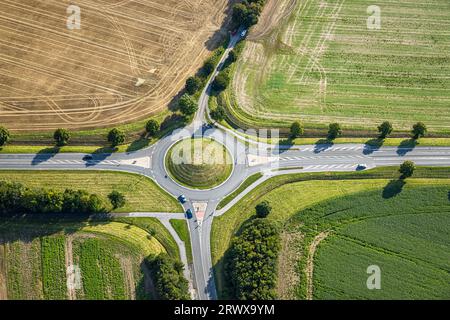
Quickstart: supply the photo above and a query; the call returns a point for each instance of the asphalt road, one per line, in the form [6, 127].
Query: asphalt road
[248, 159]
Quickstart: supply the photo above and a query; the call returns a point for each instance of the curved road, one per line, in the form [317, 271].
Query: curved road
[250, 157]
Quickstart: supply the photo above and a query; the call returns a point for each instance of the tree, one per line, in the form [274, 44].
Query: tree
[419, 130]
[218, 114]
[116, 137]
[208, 67]
[232, 57]
[188, 106]
[192, 85]
[297, 129]
[385, 129]
[221, 82]
[4, 136]
[263, 209]
[117, 199]
[407, 169]
[152, 127]
[167, 275]
[334, 131]
[251, 261]
[61, 136]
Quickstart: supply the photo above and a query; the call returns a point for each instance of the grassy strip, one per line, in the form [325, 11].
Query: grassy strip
[249, 181]
[53, 267]
[181, 228]
[142, 193]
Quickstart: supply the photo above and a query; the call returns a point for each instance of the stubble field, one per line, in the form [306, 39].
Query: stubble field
[128, 60]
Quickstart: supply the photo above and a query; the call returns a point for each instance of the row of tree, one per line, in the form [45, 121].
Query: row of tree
[247, 12]
[168, 278]
[62, 136]
[15, 198]
[335, 130]
[251, 261]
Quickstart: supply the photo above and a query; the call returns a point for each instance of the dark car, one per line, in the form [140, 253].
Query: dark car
[189, 213]
[88, 157]
[182, 199]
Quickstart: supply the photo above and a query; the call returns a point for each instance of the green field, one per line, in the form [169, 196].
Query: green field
[322, 64]
[36, 255]
[142, 194]
[199, 163]
[299, 201]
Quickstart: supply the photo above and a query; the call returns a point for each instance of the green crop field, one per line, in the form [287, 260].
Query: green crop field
[349, 205]
[38, 254]
[322, 64]
[141, 193]
[406, 236]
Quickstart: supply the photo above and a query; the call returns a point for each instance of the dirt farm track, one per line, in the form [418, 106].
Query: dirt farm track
[127, 61]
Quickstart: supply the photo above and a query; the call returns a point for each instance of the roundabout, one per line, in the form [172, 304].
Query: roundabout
[198, 163]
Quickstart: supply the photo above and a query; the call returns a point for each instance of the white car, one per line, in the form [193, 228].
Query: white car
[243, 33]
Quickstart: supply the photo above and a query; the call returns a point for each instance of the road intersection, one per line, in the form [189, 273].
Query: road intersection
[249, 156]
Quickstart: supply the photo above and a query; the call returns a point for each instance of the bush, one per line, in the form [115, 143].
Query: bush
[61, 136]
[334, 131]
[116, 137]
[419, 130]
[385, 129]
[263, 209]
[168, 278]
[407, 169]
[188, 106]
[251, 262]
[193, 84]
[221, 82]
[297, 129]
[152, 127]
[218, 114]
[117, 199]
[4, 136]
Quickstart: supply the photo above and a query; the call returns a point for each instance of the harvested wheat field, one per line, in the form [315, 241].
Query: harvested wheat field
[127, 61]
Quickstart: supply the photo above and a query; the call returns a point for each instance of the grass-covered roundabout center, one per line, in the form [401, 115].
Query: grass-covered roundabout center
[199, 163]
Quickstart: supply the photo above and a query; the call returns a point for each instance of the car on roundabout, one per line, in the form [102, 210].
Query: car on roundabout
[182, 199]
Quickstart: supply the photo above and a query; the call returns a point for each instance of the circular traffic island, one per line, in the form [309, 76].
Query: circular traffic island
[199, 163]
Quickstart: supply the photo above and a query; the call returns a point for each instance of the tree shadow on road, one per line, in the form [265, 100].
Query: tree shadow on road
[322, 145]
[45, 155]
[406, 146]
[393, 188]
[372, 145]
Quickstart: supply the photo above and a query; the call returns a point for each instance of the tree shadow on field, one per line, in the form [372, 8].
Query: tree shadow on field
[372, 145]
[45, 155]
[28, 227]
[448, 196]
[322, 145]
[215, 40]
[406, 146]
[393, 188]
